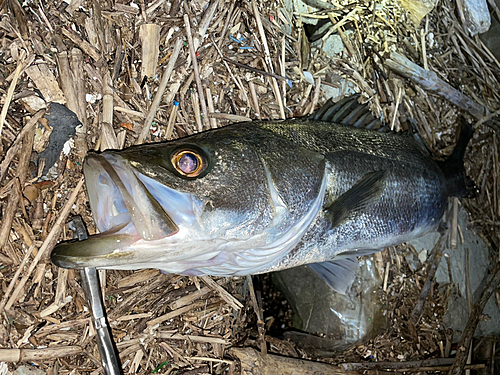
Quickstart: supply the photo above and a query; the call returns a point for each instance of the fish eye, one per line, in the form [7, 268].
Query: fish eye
[189, 163]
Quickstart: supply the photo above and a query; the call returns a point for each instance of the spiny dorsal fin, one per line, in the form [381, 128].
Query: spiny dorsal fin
[348, 112]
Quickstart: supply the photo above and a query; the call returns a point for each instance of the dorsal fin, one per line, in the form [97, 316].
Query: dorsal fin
[348, 112]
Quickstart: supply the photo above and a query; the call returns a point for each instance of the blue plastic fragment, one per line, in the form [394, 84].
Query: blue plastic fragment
[247, 47]
[289, 82]
[235, 40]
[176, 103]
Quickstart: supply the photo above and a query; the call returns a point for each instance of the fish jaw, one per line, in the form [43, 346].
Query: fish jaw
[127, 213]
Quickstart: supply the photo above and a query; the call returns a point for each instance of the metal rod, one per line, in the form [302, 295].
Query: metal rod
[92, 288]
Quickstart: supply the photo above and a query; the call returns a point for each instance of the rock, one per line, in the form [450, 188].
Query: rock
[477, 16]
[418, 9]
[28, 370]
[491, 38]
[301, 7]
[457, 314]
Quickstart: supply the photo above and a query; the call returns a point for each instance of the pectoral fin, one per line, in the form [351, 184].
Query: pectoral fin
[338, 274]
[354, 200]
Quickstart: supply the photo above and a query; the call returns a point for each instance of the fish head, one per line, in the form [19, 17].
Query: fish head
[187, 205]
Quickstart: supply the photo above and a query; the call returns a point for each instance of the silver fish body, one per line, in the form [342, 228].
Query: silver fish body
[257, 197]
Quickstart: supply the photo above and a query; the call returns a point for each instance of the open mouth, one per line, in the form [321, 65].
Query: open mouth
[128, 207]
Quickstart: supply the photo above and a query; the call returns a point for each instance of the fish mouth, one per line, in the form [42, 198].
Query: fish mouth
[127, 210]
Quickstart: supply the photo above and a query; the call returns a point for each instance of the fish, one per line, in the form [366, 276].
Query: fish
[264, 196]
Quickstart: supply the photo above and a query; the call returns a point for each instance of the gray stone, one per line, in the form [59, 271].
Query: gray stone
[477, 16]
[457, 313]
[491, 38]
[333, 46]
[335, 92]
[28, 370]
[300, 7]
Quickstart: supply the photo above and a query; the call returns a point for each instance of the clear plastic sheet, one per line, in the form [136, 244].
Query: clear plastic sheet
[344, 319]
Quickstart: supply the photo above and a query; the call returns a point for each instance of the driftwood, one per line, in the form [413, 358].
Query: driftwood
[256, 363]
[431, 82]
[435, 364]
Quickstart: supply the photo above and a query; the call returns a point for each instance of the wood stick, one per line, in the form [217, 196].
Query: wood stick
[171, 121]
[196, 109]
[159, 93]
[10, 93]
[108, 135]
[255, 101]
[149, 33]
[129, 112]
[208, 15]
[85, 46]
[33, 355]
[176, 336]
[274, 83]
[61, 326]
[229, 116]
[431, 82]
[46, 82]
[189, 298]
[11, 152]
[255, 70]
[16, 276]
[14, 198]
[67, 81]
[235, 79]
[224, 294]
[199, 85]
[77, 69]
[173, 314]
[48, 244]
[211, 108]
[474, 317]
[253, 362]
[317, 91]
